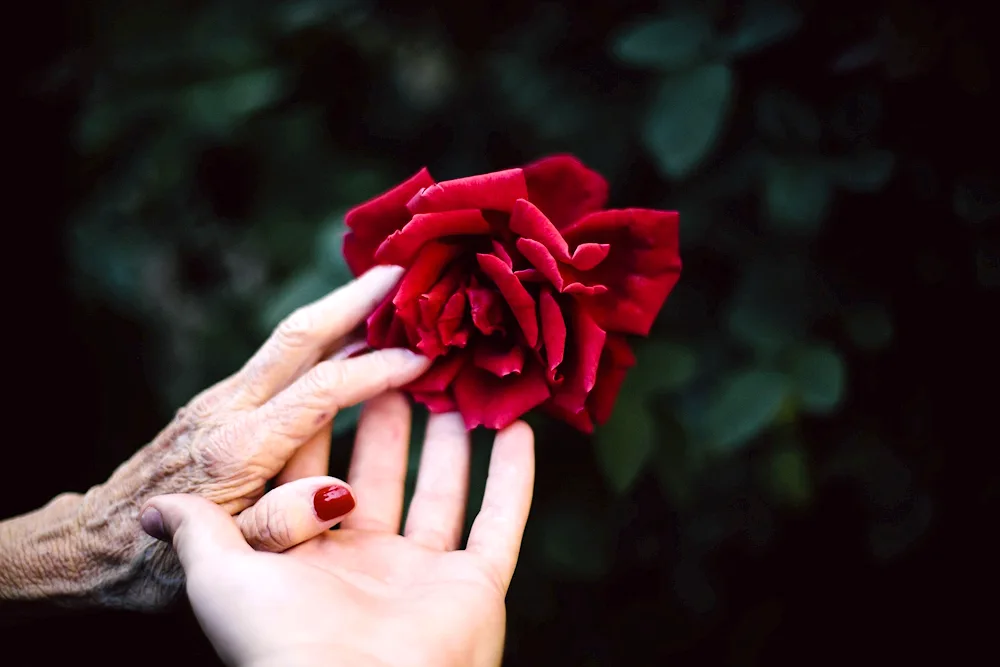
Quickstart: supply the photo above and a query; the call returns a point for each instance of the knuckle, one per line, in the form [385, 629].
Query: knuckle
[296, 330]
[328, 376]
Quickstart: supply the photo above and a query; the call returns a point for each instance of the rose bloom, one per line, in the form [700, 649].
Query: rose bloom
[518, 285]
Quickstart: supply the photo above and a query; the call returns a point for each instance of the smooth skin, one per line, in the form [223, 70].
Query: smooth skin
[366, 595]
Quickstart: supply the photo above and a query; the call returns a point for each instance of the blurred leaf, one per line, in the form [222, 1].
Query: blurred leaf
[863, 54]
[625, 443]
[797, 196]
[661, 366]
[744, 406]
[668, 43]
[866, 172]
[297, 15]
[218, 105]
[305, 288]
[785, 119]
[818, 373]
[763, 23]
[869, 326]
[977, 197]
[346, 419]
[857, 115]
[790, 478]
[573, 541]
[771, 305]
[686, 118]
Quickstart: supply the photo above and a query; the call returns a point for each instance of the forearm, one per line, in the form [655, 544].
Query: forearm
[85, 550]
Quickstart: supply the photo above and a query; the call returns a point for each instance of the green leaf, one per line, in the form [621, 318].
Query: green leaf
[819, 376]
[662, 366]
[763, 23]
[346, 419]
[686, 118]
[624, 444]
[573, 542]
[797, 196]
[785, 119]
[774, 301]
[668, 43]
[866, 172]
[218, 105]
[743, 407]
[790, 477]
[869, 326]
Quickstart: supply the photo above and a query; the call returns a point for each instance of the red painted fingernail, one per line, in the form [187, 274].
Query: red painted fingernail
[333, 501]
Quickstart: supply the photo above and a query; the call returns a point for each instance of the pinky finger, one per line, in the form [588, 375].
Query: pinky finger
[499, 528]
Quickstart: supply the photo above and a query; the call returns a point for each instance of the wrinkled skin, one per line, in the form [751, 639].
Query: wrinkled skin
[271, 419]
[519, 286]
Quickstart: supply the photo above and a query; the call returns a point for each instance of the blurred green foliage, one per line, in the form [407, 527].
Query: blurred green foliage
[224, 139]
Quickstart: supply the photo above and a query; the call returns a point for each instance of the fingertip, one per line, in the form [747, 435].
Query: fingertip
[384, 273]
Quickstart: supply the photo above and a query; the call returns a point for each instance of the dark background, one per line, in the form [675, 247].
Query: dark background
[804, 466]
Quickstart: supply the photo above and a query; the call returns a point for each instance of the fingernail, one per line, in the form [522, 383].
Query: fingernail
[409, 357]
[333, 501]
[387, 271]
[351, 350]
[152, 522]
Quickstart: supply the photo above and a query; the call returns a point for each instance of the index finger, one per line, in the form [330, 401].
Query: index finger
[499, 528]
[306, 335]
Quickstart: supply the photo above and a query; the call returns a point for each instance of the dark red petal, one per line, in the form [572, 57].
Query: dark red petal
[578, 420]
[371, 222]
[486, 305]
[564, 189]
[640, 270]
[553, 332]
[540, 258]
[615, 363]
[449, 324]
[440, 375]
[487, 400]
[436, 402]
[530, 223]
[402, 246]
[520, 302]
[502, 253]
[581, 374]
[384, 328]
[495, 191]
[428, 266]
[498, 356]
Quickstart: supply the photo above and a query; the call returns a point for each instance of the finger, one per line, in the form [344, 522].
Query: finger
[499, 528]
[198, 529]
[306, 335]
[378, 465]
[292, 417]
[295, 512]
[311, 459]
[437, 511]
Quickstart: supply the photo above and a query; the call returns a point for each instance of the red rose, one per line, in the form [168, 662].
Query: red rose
[518, 285]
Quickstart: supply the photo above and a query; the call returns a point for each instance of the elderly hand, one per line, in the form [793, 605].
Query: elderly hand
[271, 419]
[365, 595]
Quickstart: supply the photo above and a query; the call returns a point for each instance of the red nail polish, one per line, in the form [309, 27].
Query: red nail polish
[333, 501]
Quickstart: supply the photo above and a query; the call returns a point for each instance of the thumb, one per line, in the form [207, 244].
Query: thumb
[197, 528]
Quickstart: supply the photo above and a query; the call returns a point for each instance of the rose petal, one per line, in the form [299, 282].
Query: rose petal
[520, 302]
[436, 403]
[371, 222]
[616, 360]
[578, 420]
[498, 356]
[428, 266]
[530, 223]
[640, 270]
[553, 332]
[502, 253]
[484, 399]
[487, 308]
[401, 246]
[539, 257]
[564, 189]
[449, 324]
[496, 191]
[440, 375]
[384, 328]
[582, 370]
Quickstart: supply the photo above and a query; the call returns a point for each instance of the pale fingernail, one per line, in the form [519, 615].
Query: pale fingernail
[152, 523]
[407, 357]
[351, 350]
[387, 272]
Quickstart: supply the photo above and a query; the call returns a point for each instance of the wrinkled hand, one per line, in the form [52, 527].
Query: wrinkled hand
[365, 595]
[272, 418]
